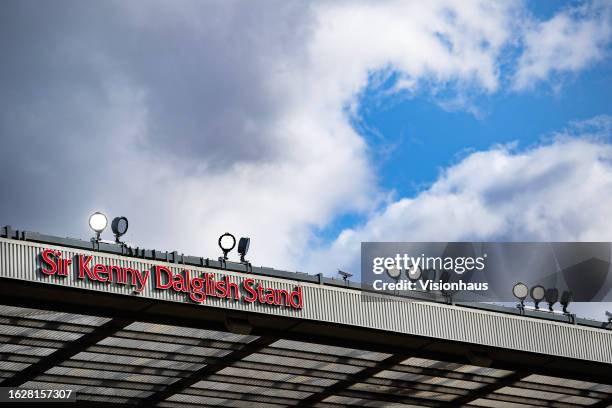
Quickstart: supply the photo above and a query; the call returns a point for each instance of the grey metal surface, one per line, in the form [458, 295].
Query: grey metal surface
[19, 260]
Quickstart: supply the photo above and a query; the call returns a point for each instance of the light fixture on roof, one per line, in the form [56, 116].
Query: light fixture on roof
[243, 248]
[520, 291]
[98, 223]
[394, 272]
[566, 298]
[552, 296]
[537, 294]
[119, 227]
[414, 272]
[227, 242]
[609, 316]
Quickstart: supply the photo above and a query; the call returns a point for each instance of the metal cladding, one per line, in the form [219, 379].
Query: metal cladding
[24, 260]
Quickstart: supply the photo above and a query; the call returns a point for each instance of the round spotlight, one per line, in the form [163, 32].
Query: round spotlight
[520, 291]
[393, 272]
[537, 294]
[119, 227]
[227, 242]
[551, 296]
[98, 222]
[414, 272]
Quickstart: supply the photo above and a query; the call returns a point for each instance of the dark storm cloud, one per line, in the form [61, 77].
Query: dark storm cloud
[73, 73]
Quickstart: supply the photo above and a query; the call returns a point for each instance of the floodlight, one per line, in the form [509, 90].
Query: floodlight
[414, 272]
[394, 272]
[98, 222]
[537, 294]
[119, 227]
[609, 316]
[227, 242]
[243, 248]
[566, 298]
[552, 296]
[520, 291]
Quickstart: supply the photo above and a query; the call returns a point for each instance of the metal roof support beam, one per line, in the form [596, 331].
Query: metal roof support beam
[208, 370]
[65, 353]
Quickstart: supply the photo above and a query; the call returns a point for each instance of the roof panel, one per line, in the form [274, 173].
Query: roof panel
[79, 389]
[250, 389]
[566, 382]
[99, 374]
[549, 396]
[107, 399]
[138, 361]
[276, 376]
[302, 363]
[12, 366]
[428, 379]
[223, 402]
[165, 347]
[358, 402]
[408, 392]
[339, 351]
[41, 314]
[483, 402]
[11, 330]
[98, 382]
[461, 368]
[190, 332]
[161, 355]
[26, 350]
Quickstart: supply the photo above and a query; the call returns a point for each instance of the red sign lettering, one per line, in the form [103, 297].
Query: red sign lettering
[196, 286]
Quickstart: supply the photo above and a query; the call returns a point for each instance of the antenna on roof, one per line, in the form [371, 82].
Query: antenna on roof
[345, 275]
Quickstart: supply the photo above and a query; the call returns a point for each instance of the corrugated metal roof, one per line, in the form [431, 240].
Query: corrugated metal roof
[110, 370]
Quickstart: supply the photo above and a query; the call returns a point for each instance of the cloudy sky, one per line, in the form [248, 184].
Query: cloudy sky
[308, 126]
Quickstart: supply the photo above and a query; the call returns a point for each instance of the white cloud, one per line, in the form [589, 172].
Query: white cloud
[570, 41]
[322, 164]
[557, 191]
[205, 117]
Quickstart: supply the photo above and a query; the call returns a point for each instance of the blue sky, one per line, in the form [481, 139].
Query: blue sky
[418, 137]
[412, 138]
